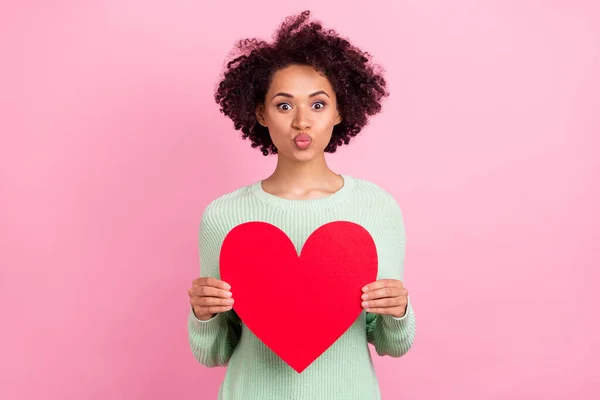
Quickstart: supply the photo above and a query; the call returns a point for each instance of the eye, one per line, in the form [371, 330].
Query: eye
[319, 105]
[284, 106]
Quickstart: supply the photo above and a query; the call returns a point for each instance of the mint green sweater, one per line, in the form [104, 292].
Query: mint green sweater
[345, 371]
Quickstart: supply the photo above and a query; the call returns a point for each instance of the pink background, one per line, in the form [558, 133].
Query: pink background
[112, 146]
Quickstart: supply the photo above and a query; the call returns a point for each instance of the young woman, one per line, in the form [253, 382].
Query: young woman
[304, 95]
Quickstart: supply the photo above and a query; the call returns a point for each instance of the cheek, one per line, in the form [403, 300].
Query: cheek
[275, 119]
[277, 126]
[329, 117]
[278, 131]
[325, 125]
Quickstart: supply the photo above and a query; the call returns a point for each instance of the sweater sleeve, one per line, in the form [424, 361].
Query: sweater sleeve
[389, 335]
[213, 341]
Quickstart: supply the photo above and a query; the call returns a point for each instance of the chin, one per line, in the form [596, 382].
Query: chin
[303, 155]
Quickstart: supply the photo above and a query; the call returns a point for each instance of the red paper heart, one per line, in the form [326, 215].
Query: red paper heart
[298, 305]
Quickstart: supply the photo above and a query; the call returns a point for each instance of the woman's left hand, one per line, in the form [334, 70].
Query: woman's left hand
[385, 296]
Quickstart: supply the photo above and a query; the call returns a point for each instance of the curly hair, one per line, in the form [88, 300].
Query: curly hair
[358, 83]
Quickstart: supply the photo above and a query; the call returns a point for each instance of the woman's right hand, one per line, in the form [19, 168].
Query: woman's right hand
[210, 296]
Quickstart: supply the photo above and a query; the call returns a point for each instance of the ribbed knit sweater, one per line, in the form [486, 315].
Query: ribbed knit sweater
[345, 370]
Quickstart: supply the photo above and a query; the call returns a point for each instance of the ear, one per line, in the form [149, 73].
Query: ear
[260, 114]
[338, 118]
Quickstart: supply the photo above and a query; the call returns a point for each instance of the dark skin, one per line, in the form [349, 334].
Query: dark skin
[299, 100]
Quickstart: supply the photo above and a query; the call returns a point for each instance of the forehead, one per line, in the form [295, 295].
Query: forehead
[299, 80]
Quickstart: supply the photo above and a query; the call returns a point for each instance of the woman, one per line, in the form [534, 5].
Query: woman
[304, 95]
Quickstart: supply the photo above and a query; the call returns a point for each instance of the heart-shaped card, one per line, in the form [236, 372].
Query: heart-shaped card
[298, 306]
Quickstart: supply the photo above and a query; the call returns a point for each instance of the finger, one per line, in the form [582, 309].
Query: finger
[199, 281]
[384, 311]
[383, 303]
[389, 291]
[218, 309]
[382, 283]
[211, 310]
[209, 291]
[213, 282]
[211, 301]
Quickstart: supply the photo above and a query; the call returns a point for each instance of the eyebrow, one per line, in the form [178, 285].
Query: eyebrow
[311, 95]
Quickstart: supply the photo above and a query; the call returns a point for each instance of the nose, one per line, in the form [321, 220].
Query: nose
[301, 120]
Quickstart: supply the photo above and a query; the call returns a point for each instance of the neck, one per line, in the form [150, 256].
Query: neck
[292, 175]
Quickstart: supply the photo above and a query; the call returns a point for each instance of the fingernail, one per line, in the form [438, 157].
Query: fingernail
[365, 304]
[365, 296]
[228, 294]
[365, 288]
[227, 286]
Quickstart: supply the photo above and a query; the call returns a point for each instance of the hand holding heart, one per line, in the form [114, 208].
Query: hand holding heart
[209, 296]
[385, 296]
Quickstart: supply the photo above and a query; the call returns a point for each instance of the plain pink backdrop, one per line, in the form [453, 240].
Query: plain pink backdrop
[112, 146]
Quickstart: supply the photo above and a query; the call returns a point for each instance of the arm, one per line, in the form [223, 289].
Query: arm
[212, 341]
[389, 335]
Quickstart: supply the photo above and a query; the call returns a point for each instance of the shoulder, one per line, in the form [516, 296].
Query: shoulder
[375, 195]
[226, 203]
[381, 209]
